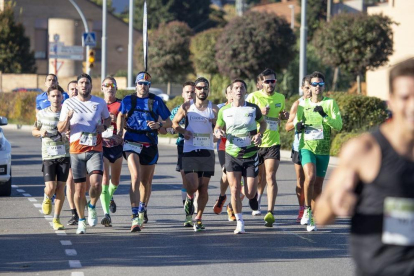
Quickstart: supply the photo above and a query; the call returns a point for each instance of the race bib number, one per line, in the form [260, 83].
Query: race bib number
[398, 225]
[314, 133]
[108, 133]
[201, 140]
[135, 147]
[242, 142]
[88, 139]
[54, 149]
[272, 123]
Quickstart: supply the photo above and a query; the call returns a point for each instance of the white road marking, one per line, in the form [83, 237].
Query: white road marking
[21, 191]
[15, 186]
[75, 264]
[27, 195]
[32, 199]
[65, 242]
[60, 232]
[51, 224]
[71, 252]
[37, 205]
[48, 217]
[77, 274]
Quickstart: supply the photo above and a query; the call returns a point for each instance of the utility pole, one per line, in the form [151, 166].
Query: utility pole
[292, 16]
[130, 43]
[303, 38]
[103, 50]
[239, 7]
[85, 25]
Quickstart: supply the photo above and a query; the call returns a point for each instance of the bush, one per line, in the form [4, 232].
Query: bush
[339, 140]
[21, 107]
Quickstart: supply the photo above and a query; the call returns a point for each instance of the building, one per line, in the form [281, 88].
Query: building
[401, 11]
[288, 9]
[47, 20]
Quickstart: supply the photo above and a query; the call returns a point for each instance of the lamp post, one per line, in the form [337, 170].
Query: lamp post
[292, 16]
[302, 57]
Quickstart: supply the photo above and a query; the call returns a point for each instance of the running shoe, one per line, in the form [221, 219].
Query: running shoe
[198, 226]
[218, 206]
[81, 227]
[57, 225]
[253, 203]
[188, 221]
[92, 217]
[305, 217]
[311, 225]
[269, 219]
[112, 206]
[145, 216]
[300, 215]
[230, 213]
[47, 206]
[239, 228]
[189, 207]
[106, 221]
[141, 219]
[135, 225]
[258, 212]
[73, 220]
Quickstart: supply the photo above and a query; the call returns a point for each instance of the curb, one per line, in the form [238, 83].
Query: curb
[284, 154]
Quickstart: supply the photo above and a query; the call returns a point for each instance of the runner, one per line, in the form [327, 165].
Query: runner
[300, 177]
[198, 152]
[72, 90]
[272, 105]
[139, 114]
[374, 184]
[187, 94]
[112, 152]
[239, 119]
[42, 99]
[55, 154]
[314, 120]
[83, 114]
[224, 184]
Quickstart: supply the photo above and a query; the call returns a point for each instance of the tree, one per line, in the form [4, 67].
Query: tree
[203, 51]
[15, 54]
[196, 13]
[108, 4]
[355, 42]
[168, 53]
[316, 11]
[253, 42]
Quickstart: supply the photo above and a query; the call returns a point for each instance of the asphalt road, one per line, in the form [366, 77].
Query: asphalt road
[30, 246]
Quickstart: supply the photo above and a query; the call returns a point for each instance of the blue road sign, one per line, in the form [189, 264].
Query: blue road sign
[89, 39]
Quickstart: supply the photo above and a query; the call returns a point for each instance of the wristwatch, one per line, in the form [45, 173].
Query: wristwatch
[160, 124]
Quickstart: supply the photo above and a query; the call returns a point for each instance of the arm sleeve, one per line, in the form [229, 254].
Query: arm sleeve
[334, 119]
[220, 122]
[173, 112]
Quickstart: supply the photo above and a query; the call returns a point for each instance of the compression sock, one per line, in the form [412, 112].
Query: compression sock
[141, 208]
[105, 198]
[183, 194]
[112, 189]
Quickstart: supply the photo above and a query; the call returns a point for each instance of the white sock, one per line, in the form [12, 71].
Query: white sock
[183, 194]
[239, 217]
[46, 197]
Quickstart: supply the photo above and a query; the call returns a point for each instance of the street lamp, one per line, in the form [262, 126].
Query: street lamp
[292, 16]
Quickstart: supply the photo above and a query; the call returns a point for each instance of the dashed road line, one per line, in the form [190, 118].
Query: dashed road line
[65, 242]
[77, 274]
[60, 232]
[15, 186]
[75, 264]
[71, 252]
[20, 190]
[37, 205]
[32, 199]
[27, 195]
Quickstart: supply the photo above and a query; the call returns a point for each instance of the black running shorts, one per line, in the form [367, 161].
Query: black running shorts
[112, 153]
[179, 166]
[56, 169]
[272, 152]
[296, 158]
[199, 161]
[249, 167]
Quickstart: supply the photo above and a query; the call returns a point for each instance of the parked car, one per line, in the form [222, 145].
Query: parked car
[165, 97]
[21, 89]
[5, 162]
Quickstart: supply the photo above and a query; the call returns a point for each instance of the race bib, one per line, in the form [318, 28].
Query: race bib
[54, 149]
[88, 139]
[135, 147]
[242, 142]
[108, 133]
[314, 133]
[398, 225]
[201, 140]
[272, 123]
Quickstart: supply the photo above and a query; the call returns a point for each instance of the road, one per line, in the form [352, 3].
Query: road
[30, 246]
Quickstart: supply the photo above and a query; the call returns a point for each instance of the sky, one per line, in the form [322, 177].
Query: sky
[120, 5]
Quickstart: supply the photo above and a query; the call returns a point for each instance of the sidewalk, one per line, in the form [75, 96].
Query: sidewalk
[284, 154]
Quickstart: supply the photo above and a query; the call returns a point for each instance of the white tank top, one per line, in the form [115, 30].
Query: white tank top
[200, 125]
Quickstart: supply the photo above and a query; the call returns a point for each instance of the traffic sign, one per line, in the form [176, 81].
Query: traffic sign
[56, 37]
[60, 51]
[89, 39]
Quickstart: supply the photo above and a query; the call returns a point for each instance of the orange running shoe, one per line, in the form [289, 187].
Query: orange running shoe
[230, 213]
[218, 206]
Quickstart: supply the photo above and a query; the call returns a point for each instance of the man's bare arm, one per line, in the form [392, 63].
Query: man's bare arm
[292, 114]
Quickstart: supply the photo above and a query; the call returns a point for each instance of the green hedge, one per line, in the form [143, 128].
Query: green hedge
[339, 140]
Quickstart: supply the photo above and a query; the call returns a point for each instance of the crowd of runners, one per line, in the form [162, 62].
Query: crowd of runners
[85, 139]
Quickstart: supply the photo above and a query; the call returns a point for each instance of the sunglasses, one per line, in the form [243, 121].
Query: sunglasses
[269, 81]
[314, 84]
[144, 83]
[202, 87]
[109, 85]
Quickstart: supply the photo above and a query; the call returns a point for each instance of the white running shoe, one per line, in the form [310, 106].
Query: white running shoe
[311, 226]
[92, 217]
[305, 217]
[239, 228]
[257, 212]
[81, 227]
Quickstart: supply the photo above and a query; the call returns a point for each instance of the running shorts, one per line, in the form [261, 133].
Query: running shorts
[86, 163]
[321, 161]
[56, 169]
[248, 166]
[199, 161]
